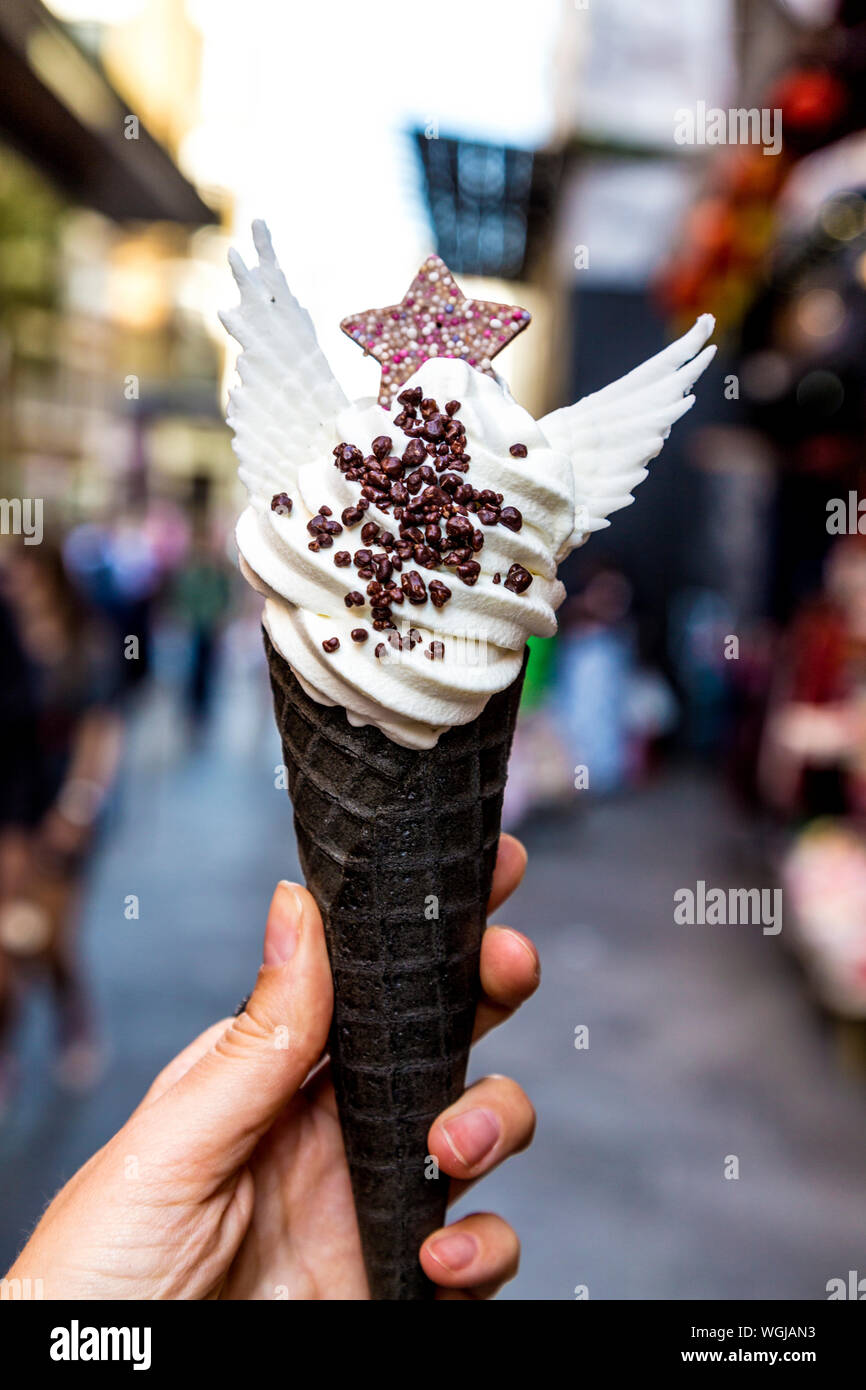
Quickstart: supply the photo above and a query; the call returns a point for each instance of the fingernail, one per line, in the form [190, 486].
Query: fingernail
[281, 933]
[527, 947]
[472, 1135]
[454, 1252]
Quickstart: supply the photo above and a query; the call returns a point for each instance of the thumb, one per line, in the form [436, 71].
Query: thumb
[227, 1100]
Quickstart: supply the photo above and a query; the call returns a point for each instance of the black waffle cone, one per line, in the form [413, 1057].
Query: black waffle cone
[398, 848]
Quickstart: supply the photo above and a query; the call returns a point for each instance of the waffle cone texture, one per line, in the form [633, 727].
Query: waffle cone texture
[398, 848]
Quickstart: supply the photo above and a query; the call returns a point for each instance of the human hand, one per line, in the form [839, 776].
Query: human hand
[230, 1179]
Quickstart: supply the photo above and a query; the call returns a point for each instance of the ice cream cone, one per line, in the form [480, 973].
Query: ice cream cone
[453, 511]
[398, 847]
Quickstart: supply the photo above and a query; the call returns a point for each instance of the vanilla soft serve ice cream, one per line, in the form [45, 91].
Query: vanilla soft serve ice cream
[461, 579]
[407, 546]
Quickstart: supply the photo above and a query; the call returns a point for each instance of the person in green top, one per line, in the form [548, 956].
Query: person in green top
[200, 599]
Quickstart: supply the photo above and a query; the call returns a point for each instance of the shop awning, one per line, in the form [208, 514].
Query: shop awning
[58, 108]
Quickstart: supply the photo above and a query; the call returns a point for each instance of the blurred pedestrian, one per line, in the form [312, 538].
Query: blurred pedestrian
[201, 600]
[813, 759]
[595, 661]
[61, 737]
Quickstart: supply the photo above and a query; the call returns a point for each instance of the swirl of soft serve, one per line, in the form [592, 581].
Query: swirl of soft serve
[442, 663]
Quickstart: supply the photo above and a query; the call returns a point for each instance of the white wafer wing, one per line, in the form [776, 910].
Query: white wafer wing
[288, 397]
[613, 434]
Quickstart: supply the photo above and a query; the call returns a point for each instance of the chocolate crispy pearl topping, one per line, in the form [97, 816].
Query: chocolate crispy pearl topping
[438, 518]
[281, 503]
[518, 579]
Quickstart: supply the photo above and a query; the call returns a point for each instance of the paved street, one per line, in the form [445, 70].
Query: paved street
[702, 1042]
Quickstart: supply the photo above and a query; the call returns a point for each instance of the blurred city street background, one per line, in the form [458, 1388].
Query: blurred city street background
[700, 718]
[700, 1045]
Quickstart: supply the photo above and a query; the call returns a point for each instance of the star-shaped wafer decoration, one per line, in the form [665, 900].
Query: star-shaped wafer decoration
[433, 319]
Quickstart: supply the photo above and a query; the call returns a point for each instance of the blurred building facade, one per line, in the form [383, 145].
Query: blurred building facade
[110, 371]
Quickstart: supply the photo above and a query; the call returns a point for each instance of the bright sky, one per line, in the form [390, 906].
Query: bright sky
[303, 112]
